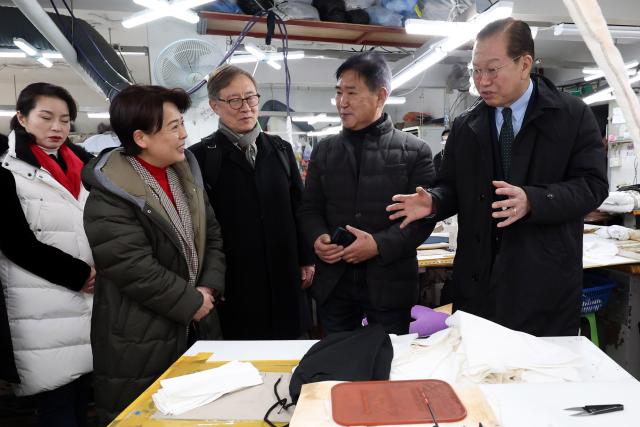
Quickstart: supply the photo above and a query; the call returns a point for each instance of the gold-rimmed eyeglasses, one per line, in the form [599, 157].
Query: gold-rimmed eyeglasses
[236, 103]
[491, 73]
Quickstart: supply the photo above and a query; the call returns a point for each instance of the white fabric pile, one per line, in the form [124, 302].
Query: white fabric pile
[181, 394]
[477, 350]
[620, 202]
[618, 232]
[598, 248]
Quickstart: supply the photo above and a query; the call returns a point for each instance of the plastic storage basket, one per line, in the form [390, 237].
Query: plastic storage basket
[594, 298]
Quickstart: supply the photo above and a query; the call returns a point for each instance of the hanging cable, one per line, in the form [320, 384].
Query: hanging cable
[88, 36]
[84, 55]
[275, 19]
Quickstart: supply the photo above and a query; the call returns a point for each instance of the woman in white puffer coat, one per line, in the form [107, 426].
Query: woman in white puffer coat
[46, 267]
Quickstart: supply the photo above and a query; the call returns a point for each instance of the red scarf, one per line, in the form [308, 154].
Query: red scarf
[70, 180]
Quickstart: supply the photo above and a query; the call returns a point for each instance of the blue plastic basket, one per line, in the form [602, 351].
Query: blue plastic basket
[594, 298]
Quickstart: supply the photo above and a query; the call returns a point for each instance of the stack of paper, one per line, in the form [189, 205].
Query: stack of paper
[476, 350]
[181, 394]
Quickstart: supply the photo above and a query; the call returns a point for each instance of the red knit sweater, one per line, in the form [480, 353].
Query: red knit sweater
[160, 174]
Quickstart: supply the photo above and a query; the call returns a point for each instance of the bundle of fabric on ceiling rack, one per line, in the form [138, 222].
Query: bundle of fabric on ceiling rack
[390, 13]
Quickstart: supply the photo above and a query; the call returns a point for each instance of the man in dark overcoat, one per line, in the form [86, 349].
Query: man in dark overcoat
[521, 169]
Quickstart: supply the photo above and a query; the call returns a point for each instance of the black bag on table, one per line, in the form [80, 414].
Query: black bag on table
[361, 355]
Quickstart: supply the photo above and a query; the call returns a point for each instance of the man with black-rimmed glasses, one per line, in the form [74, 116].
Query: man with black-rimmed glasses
[521, 168]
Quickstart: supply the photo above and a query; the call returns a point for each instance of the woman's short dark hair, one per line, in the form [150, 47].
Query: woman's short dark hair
[519, 38]
[223, 76]
[140, 107]
[372, 67]
[29, 97]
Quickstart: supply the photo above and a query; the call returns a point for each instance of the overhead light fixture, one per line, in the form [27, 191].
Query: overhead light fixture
[44, 61]
[319, 118]
[31, 51]
[261, 55]
[397, 100]
[12, 53]
[426, 27]
[441, 49]
[616, 31]
[7, 113]
[25, 46]
[596, 73]
[157, 9]
[9, 53]
[104, 115]
[130, 50]
[274, 56]
[52, 55]
[331, 130]
[607, 93]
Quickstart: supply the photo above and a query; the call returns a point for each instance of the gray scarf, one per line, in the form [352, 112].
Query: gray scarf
[245, 142]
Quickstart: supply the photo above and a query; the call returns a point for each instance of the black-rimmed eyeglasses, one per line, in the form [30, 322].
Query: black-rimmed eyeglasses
[491, 73]
[236, 103]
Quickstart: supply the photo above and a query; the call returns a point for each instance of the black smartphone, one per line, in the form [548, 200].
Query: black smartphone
[342, 237]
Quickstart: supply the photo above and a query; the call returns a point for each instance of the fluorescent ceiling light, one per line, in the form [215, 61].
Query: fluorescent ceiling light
[425, 62]
[169, 9]
[441, 49]
[52, 55]
[426, 27]
[12, 54]
[320, 118]
[255, 51]
[397, 100]
[157, 9]
[44, 61]
[27, 48]
[606, 94]
[104, 115]
[332, 130]
[260, 55]
[617, 31]
[275, 56]
[596, 73]
[24, 46]
[7, 113]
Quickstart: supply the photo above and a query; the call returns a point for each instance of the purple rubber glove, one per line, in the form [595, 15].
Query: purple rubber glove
[427, 321]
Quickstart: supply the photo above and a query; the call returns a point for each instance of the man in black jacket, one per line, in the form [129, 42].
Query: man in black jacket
[521, 169]
[437, 159]
[350, 178]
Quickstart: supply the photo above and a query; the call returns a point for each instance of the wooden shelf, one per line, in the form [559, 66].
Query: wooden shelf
[227, 24]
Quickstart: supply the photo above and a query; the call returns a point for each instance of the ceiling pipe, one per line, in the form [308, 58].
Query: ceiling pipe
[39, 18]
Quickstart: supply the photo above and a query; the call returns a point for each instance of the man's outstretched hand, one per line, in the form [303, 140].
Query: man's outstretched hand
[411, 206]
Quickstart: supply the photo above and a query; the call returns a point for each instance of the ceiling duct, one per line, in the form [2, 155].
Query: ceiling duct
[95, 56]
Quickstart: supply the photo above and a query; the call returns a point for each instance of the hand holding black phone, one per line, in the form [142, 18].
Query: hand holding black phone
[342, 237]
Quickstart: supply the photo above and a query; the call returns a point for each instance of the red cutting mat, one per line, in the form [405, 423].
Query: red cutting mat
[394, 402]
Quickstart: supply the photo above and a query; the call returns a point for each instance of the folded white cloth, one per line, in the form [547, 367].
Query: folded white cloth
[181, 394]
[477, 350]
[618, 202]
[617, 232]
